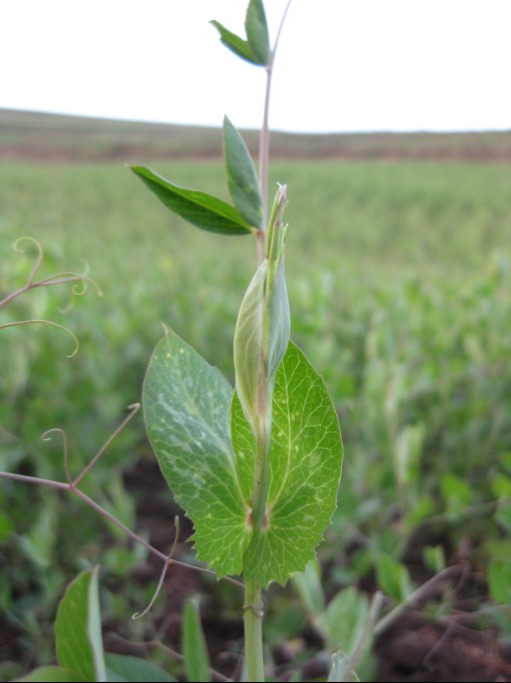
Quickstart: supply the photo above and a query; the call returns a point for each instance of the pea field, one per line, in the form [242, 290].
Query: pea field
[399, 276]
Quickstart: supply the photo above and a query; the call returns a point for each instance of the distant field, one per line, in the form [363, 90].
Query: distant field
[49, 137]
[361, 224]
[399, 276]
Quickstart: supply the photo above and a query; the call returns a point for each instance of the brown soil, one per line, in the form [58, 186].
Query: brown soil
[414, 648]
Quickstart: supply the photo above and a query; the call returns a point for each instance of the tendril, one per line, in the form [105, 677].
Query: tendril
[50, 323]
[139, 615]
[47, 437]
[39, 258]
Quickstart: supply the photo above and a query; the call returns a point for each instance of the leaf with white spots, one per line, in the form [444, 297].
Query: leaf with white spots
[305, 469]
[186, 409]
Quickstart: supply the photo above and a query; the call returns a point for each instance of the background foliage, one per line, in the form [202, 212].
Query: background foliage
[399, 279]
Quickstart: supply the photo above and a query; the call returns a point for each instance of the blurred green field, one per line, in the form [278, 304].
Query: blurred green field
[399, 279]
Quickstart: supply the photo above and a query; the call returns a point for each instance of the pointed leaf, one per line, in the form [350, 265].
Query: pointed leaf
[124, 668]
[78, 629]
[198, 208]
[242, 177]
[238, 45]
[194, 645]
[186, 408]
[257, 32]
[305, 464]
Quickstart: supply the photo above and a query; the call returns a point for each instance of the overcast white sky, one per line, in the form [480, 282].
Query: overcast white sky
[343, 65]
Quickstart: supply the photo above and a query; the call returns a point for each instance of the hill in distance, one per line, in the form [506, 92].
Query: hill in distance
[33, 136]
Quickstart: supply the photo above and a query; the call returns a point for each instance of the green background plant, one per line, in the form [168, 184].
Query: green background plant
[414, 331]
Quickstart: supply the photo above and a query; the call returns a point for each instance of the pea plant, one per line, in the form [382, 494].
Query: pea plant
[255, 467]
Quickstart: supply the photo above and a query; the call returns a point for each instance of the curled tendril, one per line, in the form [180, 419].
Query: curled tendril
[47, 436]
[139, 615]
[39, 258]
[50, 323]
[80, 281]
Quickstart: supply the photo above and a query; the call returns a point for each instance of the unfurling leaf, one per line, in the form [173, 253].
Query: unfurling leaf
[263, 327]
[260, 340]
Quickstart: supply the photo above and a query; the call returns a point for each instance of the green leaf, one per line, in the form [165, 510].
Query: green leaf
[6, 527]
[308, 585]
[124, 668]
[186, 405]
[393, 578]
[305, 468]
[503, 515]
[457, 494]
[256, 49]
[343, 621]
[242, 176]
[198, 208]
[193, 645]
[257, 32]
[186, 409]
[235, 44]
[78, 629]
[409, 446]
[51, 674]
[434, 558]
[499, 579]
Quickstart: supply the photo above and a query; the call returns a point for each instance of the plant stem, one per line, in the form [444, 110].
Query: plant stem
[253, 619]
[264, 143]
[261, 479]
[264, 140]
[253, 616]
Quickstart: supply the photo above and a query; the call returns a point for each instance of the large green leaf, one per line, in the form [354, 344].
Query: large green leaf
[186, 408]
[198, 208]
[305, 468]
[186, 404]
[242, 176]
[78, 629]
